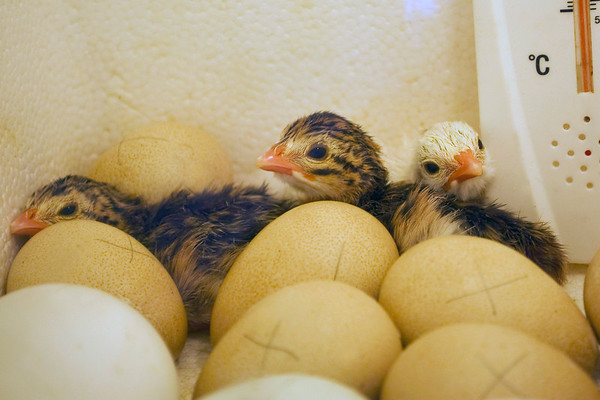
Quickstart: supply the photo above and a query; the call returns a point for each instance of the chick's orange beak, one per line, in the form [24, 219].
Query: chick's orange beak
[274, 160]
[469, 167]
[27, 223]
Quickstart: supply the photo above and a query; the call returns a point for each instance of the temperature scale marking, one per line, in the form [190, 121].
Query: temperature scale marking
[570, 6]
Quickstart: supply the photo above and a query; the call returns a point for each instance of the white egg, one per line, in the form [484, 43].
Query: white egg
[286, 387]
[65, 341]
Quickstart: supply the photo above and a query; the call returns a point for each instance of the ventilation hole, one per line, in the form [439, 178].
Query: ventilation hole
[570, 153]
[581, 136]
[583, 168]
[590, 185]
[569, 179]
[555, 163]
[554, 143]
[566, 127]
[586, 119]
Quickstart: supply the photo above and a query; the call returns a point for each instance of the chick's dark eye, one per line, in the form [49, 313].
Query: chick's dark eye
[480, 144]
[317, 152]
[67, 210]
[431, 167]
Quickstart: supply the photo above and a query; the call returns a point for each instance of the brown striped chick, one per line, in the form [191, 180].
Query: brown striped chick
[450, 156]
[196, 236]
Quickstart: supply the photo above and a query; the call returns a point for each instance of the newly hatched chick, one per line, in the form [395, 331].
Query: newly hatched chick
[450, 156]
[332, 158]
[196, 236]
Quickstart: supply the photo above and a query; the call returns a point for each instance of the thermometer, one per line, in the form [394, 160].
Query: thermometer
[540, 113]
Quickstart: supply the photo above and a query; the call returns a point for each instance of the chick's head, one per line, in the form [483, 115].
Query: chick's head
[452, 157]
[326, 157]
[67, 198]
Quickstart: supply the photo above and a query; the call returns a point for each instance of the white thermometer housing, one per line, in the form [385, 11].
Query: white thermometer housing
[539, 114]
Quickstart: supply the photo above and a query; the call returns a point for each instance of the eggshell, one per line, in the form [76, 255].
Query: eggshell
[319, 240]
[485, 361]
[94, 254]
[64, 341]
[325, 328]
[591, 292]
[163, 157]
[468, 279]
[286, 387]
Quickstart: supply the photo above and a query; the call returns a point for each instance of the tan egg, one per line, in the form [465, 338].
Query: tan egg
[94, 254]
[591, 292]
[485, 361]
[319, 240]
[323, 328]
[160, 158]
[468, 279]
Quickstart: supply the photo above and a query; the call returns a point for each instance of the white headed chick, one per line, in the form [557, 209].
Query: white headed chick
[450, 156]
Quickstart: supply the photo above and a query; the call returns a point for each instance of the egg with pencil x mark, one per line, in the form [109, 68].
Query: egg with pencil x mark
[474, 361]
[454, 279]
[320, 327]
[318, 240]
[101, 256]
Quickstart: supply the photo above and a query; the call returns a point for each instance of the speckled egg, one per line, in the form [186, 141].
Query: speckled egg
[319, 240]
[485, 361]
[323, 328]
[65, 341]
[469, 279]
[94, 254]
[160, 158]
